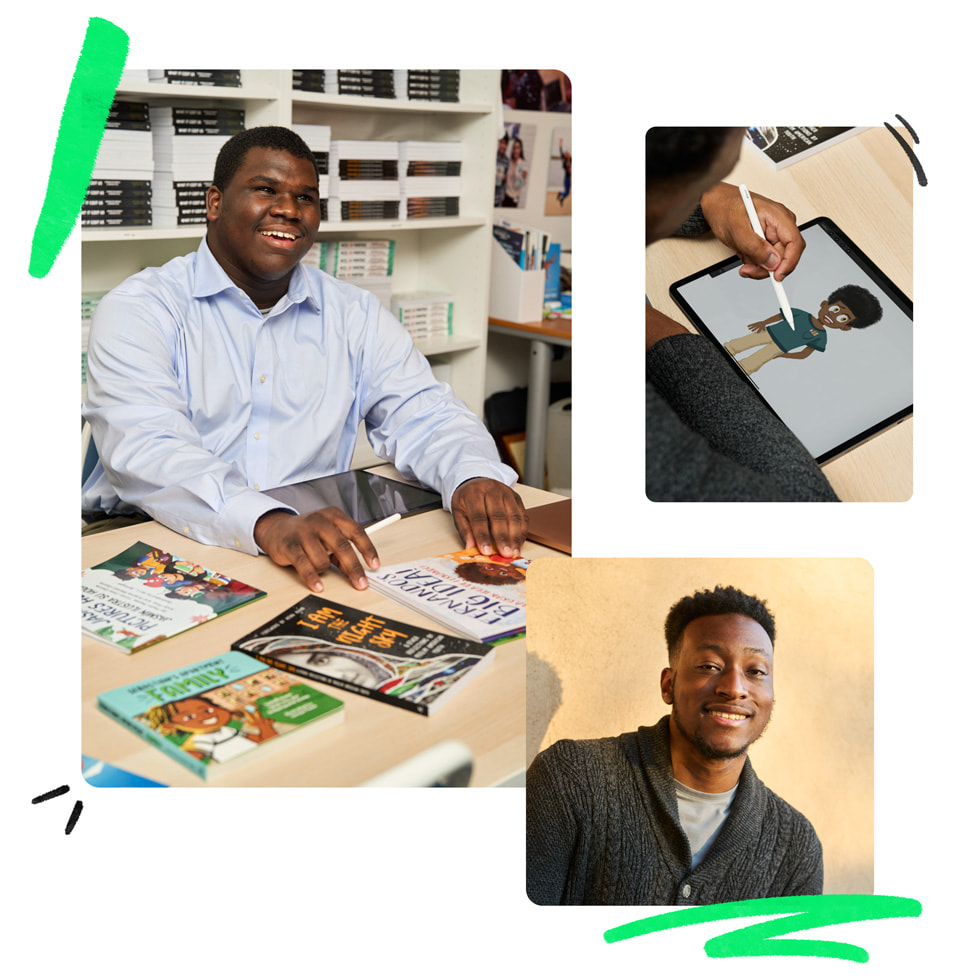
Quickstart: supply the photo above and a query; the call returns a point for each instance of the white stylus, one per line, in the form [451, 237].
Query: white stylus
[757, 228]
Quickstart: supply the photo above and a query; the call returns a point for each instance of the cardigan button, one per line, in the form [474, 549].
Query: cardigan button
[686, 891]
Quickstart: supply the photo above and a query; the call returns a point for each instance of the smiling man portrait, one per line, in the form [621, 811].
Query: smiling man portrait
[236, 369]
[674, 814]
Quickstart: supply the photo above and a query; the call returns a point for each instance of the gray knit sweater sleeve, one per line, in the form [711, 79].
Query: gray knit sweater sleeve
[710, 439]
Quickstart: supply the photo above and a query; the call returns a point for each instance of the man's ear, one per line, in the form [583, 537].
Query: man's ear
[667, 685]
[213, 201]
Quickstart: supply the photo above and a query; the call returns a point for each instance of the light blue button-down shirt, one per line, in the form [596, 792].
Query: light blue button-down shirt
[197, 401]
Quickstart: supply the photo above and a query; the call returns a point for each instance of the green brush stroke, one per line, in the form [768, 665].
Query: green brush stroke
[93, 87]
[803, 911]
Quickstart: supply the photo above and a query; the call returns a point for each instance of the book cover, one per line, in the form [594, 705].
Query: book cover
[408, 666]
[144, 595]
[783, 145]
[479, 596]
[218, 713]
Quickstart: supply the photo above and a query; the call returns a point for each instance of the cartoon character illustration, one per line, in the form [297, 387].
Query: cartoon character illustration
[213, 732]
[846, 307]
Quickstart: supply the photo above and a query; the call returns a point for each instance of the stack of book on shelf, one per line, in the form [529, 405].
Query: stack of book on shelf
[308, 79]
[363, 180]
[428, 85]
[373, 83]
[367, 264]
[426, 316]
[317, 138]
[120, 192]
[186, 141]
[89, 303]
[220, 77]
[429, 180]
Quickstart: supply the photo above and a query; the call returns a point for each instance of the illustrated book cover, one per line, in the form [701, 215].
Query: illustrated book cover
[413, 668]
[216, 714]
[483, 597]
[144, 595]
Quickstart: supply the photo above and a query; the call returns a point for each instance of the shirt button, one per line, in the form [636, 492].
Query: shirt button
[187, 530]
[258, 435]
[238, 543]
[262, 379]
[256, 486]
[686, 891]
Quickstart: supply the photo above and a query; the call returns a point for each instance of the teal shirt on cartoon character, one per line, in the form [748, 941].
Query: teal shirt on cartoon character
[847, 307]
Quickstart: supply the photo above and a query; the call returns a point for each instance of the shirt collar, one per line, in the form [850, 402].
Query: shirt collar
[210, 279]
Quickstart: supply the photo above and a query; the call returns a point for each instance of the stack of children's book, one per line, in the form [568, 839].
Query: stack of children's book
[120, 192]
[186, 142]
[363, 182]
[429, 180]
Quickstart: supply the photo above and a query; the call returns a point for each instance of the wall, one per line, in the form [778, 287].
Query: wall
[596, 649]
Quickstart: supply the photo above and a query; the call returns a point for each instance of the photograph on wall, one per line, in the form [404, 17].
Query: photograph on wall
[558, 199]
[513, 165]
[536, 89]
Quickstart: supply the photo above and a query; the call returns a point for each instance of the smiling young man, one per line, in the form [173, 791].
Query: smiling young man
[237, 369]
[674, 814]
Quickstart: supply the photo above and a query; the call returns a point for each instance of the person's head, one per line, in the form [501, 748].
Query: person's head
[720, 673]
[517, 149]
[263, 209]
[681, 164]
[849, 306]
[195, 715]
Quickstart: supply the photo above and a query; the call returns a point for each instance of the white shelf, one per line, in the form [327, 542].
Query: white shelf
[441, 254]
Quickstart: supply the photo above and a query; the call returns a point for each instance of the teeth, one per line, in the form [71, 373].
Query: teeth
[280, 234]
[725, 714]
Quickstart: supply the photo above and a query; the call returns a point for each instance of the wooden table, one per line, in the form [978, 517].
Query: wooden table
[542, 336]
[865, 184]
[488, 716]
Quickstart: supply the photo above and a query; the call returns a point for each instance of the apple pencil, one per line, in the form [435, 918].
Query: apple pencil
[757, 228]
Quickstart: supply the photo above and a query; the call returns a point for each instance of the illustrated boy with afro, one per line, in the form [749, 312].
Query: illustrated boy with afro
[849, 306]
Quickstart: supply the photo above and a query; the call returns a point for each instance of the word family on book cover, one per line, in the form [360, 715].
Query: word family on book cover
[408, 666]
[480, 596]
[145, 594]
[215, 714]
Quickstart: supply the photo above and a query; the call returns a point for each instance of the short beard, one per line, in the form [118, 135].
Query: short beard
[709, 751]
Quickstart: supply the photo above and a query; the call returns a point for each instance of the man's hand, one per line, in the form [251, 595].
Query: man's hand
[489, 516]
[311, 542]
[725, 212]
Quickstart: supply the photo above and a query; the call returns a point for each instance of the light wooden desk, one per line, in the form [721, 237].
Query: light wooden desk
[542, 336]
[488, 716]
[865, 185]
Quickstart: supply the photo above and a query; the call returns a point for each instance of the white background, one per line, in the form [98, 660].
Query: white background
[322, 881]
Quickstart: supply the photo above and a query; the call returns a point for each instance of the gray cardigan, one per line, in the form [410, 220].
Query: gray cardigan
[603, 829]
[709, 438]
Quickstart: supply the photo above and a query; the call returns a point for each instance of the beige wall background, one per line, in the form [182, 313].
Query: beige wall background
[596, 649]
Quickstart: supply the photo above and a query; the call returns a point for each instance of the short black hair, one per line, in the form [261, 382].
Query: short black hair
[232, 154]
[863, 304]
[723, 600]
[682, 151]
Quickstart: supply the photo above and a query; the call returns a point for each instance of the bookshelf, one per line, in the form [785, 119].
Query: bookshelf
[439, 254]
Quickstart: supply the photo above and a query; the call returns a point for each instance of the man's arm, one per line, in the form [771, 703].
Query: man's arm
[710, 438]
[807, 874]
[551, 833]
[151, 452]
[416, 423]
